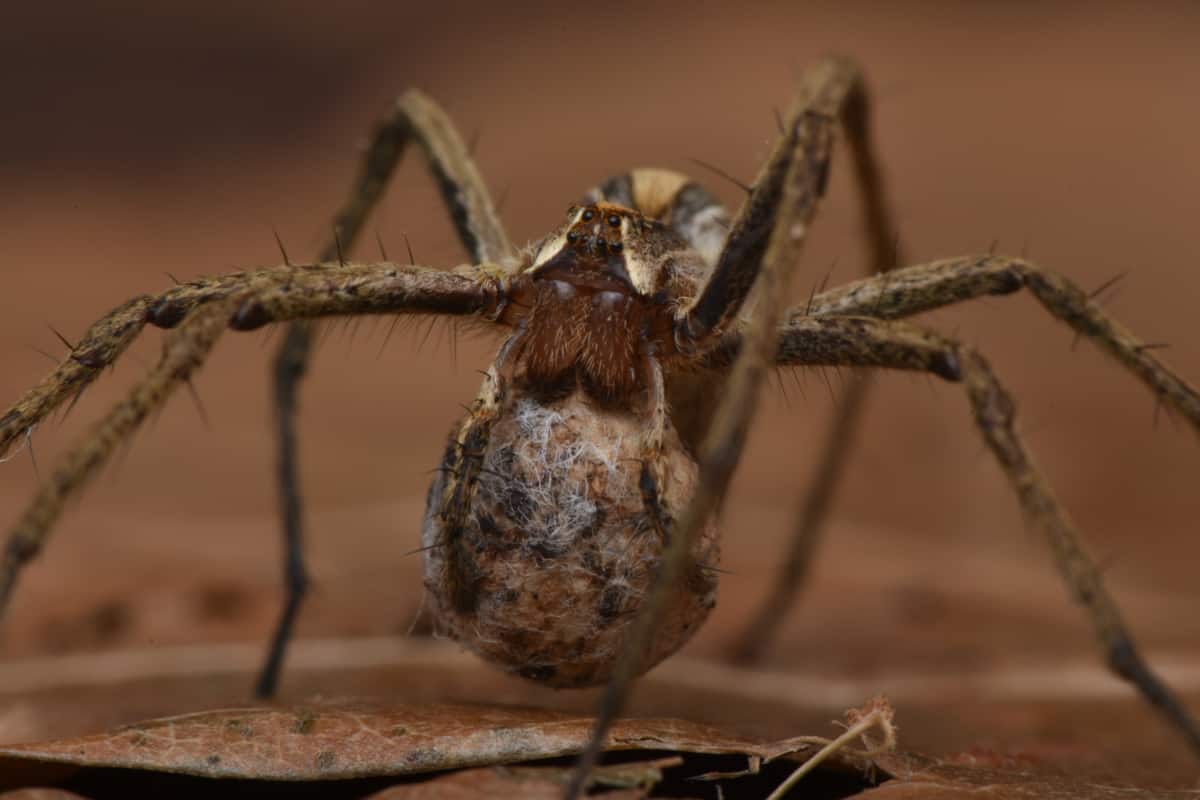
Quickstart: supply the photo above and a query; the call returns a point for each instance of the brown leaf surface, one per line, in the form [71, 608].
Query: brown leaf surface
[1074, 716]
[997, 777]
[468, 745]
[322, 742]
[620, 782]
[493, 782]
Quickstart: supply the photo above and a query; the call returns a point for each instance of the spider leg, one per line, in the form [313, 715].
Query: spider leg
[719, 302]
[653, 476]
[100, 345]
[810, 518]
[859, 341]
[415, 117]
[762, 248]
[106, 339]
[880, 229]
[183, 351]
[461, 468]
[264, 296]
[912, 290]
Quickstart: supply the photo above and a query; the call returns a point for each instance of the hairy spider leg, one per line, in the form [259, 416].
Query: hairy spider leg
[415, 117]
[866, 341]
[244, 302]
[884, 253]
[762, 247]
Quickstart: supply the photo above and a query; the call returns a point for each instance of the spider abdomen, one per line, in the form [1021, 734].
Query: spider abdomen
[554, 548]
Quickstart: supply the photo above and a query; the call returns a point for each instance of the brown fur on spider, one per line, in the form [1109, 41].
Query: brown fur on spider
[569, 534]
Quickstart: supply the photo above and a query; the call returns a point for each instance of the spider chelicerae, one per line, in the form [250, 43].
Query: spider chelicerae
[569, 534]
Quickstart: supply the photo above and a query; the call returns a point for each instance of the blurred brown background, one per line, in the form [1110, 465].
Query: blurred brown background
[140, 140]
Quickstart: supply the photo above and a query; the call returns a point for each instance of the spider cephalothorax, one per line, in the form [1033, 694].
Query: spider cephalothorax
[593, 305]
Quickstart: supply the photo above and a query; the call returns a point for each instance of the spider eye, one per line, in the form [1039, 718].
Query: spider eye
[589, 215]
[615, 247]
[572, 236]
[614, 220]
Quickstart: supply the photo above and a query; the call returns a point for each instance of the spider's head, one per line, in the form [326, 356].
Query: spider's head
[600, 294]
[607, 247]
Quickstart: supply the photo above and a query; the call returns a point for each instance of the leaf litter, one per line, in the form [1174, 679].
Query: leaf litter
[384, 751]
[436, 750]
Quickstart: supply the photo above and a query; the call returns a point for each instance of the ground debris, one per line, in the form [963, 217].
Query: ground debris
[399, 751]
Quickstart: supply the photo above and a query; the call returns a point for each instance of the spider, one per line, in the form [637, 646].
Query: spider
[569, 534]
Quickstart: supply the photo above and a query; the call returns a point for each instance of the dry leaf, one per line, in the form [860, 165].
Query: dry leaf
[375, 744]
[342, 743]
[629, 781]
[486, 783]
[974, 776]
[327, 742]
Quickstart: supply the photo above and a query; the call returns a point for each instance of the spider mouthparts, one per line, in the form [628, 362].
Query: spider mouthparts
[587, 271]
